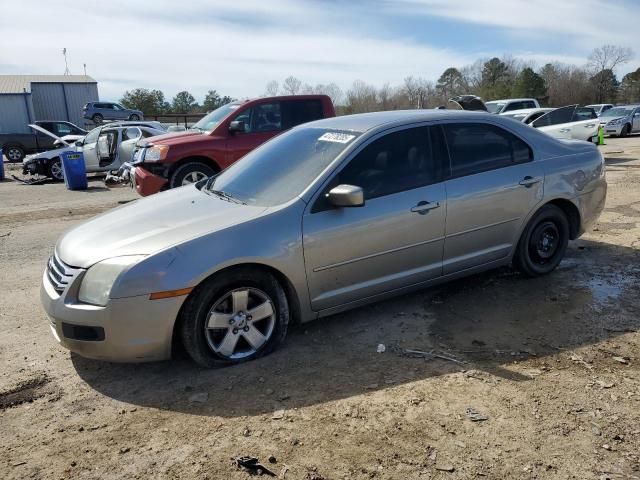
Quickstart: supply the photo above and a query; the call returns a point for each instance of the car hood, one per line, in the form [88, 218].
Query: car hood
[150, 225]
[174, 138]
[56, 152]
[610, 119]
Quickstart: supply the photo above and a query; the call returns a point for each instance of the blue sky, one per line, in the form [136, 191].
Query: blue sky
[237, 47]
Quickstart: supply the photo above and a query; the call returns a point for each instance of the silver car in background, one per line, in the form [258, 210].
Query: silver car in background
[621, 121]
[329, 216]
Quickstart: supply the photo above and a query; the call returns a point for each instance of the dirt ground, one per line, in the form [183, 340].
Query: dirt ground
[549, 368]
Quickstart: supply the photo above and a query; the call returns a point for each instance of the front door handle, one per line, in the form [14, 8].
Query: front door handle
[564, 130]
[529, 181]
[423, 207]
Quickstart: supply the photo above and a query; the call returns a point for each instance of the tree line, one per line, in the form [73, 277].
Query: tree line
[152, 102]
[554, 84]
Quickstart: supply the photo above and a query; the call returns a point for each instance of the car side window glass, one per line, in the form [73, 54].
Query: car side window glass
[478, 147]
[296, 112]
[264, 117]
[92, 136]
[130, 133]
[397, 162]
[584, 113]
[556, 117]
[63, 129]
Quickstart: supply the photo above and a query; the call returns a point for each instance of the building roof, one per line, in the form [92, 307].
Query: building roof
[20, 83]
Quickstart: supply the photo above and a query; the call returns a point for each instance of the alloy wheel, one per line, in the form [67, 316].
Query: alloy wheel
[240, 323]
[193, 177]
[56, 170]
[14, 154]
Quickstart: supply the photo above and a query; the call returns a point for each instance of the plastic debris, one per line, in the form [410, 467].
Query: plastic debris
[252, 466]
[474, 415]
[381, 348]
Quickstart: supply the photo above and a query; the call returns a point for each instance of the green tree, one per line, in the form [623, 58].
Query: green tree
[605, 85]
[213, 100]
[183, 102]
[451, 83]
[150, 102]
[496, 78]
[530, 85]
[630, 87]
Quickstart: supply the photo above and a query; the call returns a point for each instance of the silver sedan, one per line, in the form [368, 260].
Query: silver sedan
[329, 216]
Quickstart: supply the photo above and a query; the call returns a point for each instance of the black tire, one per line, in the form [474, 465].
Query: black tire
[54, 169]
[134, 118]
[543, 242]
[14, 153]
[97, 119]
[626, 130]
[190, 170]
[196, 310]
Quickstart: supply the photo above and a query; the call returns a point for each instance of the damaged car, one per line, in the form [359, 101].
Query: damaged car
[325, 217]
[104, 148]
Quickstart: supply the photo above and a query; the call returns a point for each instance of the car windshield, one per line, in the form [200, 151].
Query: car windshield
[282, 168]
[213, 119]
[617, 112]
[494, 107]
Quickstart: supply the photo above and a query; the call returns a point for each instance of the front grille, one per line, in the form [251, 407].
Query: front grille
[60, 274]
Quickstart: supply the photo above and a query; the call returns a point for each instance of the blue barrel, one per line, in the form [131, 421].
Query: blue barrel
[1, 165]
[75, 172]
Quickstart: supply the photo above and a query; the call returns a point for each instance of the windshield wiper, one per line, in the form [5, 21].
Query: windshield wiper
[226, 196]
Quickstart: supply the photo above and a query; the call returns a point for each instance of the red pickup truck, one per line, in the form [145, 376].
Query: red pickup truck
[219, 139]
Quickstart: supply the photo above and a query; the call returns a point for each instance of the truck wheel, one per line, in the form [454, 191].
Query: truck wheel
[14, 153]
[190, 172]
[134, 117]
[54, 169]
[97, 119]
[625, 131]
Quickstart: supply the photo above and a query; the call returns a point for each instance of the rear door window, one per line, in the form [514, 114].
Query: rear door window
[296, 112]
[584, 113]
[555, 117]
[478, 147]
[264, 117]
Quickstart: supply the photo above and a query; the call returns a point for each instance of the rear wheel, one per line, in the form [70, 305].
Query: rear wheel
[14, 153]
[54, 169]
[234, 317]
[190, 172]
[626, 130]
[543, 242]
[134, 117]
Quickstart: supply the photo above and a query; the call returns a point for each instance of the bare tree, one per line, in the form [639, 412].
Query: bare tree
[608, 57]
[361, 97]
[291, 85]
[272, 88]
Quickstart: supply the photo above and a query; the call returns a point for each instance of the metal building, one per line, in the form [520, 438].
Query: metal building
[27, 98]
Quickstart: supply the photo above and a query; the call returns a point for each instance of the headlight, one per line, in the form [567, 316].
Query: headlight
[156, 153]
[97, 282]
[617, 121]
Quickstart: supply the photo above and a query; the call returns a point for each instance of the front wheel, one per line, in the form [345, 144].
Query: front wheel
[626, 130]
[234, 317]
[543, 242]
[134, 117]
[190, 172]
[54, 169]
[14, 153]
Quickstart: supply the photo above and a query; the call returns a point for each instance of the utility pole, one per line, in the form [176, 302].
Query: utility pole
[85, 69]
[66, 65]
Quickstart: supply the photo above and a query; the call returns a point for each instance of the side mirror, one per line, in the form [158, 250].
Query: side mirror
[346, 196]
[237, 126]
[79, 143]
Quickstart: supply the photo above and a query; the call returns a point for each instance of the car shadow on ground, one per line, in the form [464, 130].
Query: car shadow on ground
[487, 322]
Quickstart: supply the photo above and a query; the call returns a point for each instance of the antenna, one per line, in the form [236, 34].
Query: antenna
[66, 65]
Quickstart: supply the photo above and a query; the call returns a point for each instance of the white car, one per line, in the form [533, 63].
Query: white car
[570, 122]
[105, 148]
[510, 104]
[600, 108]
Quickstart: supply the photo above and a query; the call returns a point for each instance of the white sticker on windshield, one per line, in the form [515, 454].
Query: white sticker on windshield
[337, 137]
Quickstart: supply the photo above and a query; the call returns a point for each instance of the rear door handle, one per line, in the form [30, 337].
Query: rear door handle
[564, 130]
[424, 207]
[528, 181]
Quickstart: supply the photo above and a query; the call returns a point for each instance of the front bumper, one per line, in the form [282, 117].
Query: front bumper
[612, 129]
[146, 183]
[133, 329]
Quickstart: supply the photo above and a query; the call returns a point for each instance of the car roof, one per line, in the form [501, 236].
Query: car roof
[527, 110]
[509, 100]
[364, 122]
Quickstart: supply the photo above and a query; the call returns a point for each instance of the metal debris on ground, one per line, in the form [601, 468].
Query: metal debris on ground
[252, 466]
[430, 355]
[381, 348]
[474, 415]
[32, 181]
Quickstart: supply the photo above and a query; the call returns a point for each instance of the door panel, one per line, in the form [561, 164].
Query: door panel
[352, 253]
[636, 120]
[485, 212]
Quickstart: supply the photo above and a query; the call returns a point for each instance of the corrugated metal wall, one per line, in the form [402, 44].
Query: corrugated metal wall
[62, 101]
[14, 117]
